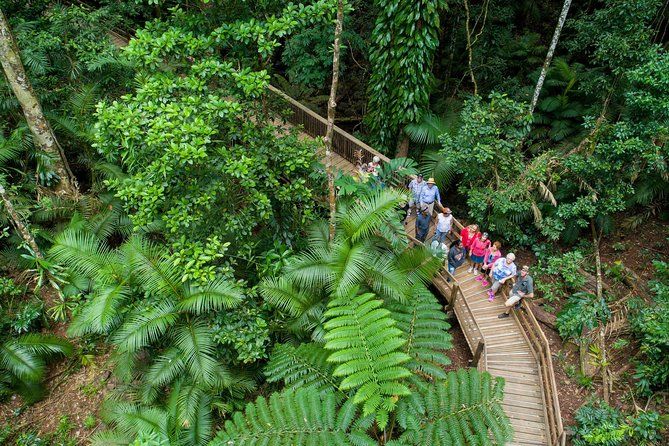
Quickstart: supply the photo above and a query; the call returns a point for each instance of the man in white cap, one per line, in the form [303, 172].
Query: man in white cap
[524, 287]
[415, 187]
[429, 195]
[503, 269]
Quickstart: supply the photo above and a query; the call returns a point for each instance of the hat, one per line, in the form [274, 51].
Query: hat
[447, 210]
[430, 180]
[511, 256]
[485, 234]
[376, 159]
[526, 268]
[419, 175]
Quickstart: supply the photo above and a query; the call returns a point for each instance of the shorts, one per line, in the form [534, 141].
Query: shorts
[512, 300]
[476, 259]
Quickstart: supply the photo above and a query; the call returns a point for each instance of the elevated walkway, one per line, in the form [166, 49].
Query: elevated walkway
[515, 348]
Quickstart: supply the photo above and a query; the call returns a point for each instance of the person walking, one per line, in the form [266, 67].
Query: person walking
[456, 257]
[415, 188]
[422, 223]
[430, 195]
[502, 270]
[524, 287]
[477, 252]
[444, 225]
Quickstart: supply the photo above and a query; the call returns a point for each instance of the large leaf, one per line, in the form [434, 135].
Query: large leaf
[367, 347]
[301, 418]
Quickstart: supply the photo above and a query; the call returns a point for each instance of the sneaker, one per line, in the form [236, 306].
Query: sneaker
[484, 283]
[479, 278]
[470, 269]
[503, 316]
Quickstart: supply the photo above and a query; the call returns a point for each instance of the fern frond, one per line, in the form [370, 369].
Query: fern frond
[465, 408]
[426, 331]
[301, 418]
[367, 346]
[87, 255]
[301, 367]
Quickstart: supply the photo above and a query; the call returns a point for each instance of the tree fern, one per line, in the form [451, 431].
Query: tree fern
[296, 418]
[464, 409]
[367, 346]
[300, 367]
[424, 325]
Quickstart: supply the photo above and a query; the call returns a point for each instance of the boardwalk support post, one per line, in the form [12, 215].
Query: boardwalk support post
[477, 354]
[454, 294]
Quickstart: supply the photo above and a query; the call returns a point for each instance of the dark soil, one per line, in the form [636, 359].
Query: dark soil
[460, 354]
[73, 391]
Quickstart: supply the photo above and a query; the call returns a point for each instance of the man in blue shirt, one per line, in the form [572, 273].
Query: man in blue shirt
[429, 195]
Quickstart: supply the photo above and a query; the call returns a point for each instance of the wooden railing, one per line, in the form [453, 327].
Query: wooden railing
[448, 286]
[343, 143]
[541, 348]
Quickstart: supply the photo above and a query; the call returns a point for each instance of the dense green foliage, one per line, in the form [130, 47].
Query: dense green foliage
[196, 253]
[405, 38]
[606, 426]
[651, 324]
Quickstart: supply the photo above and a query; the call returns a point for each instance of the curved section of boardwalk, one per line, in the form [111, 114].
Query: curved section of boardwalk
[507, 352]
[509, 355]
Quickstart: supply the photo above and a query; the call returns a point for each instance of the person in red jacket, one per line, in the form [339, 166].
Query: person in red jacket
[477, 252]
[468, 234]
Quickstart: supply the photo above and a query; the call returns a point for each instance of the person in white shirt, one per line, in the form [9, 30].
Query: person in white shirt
[444, 225]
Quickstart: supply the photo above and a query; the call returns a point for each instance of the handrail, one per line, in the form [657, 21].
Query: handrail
[541, 348]
[467, 321]
[344, 144]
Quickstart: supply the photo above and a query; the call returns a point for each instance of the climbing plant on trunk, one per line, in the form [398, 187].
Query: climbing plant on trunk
[404, 41]
[43, 135]
[332, 104]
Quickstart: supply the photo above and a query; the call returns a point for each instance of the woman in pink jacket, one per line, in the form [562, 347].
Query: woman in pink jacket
[477, 251]
[491, 255]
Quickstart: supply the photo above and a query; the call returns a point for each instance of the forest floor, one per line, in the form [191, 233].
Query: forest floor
[73, 391]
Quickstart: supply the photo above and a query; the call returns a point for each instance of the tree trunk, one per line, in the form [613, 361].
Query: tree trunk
[403, 147]
[549, 55]
[43, 135]
[18, 223]
[543, 316]
[468, 32]
[600, 295]
[332, 105]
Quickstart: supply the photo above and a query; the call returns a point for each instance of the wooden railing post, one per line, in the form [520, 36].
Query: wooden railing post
[477, 354]
[454, 293]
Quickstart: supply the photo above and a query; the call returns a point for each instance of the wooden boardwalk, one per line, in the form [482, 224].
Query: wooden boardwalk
[514, 348]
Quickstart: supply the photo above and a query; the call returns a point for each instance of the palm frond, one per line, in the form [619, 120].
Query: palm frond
[216, 295]
[198, 351]
[144, 326]
[370, 213]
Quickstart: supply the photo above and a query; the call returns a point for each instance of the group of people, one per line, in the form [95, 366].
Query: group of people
[486, 260]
